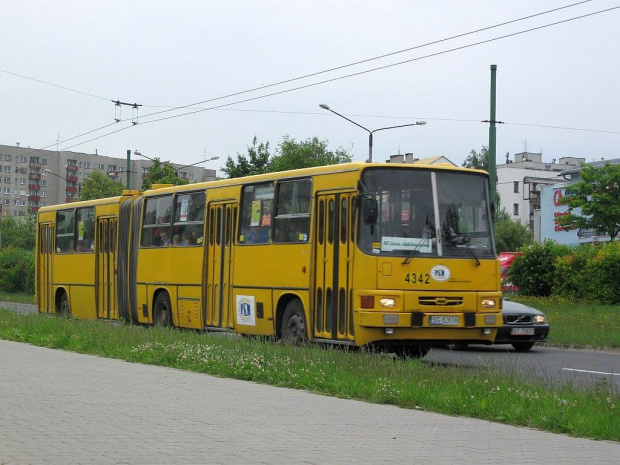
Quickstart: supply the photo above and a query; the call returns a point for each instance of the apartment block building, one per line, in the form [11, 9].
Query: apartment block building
[33, 178]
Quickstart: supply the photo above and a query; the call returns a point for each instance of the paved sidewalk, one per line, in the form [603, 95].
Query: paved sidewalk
[66, 408]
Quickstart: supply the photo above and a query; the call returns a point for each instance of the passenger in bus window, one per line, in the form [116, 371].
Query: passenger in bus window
[185, 239]
[163, 236]
[196, 237]
[176, 240]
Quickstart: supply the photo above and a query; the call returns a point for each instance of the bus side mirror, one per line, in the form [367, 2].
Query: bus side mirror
[370, 211]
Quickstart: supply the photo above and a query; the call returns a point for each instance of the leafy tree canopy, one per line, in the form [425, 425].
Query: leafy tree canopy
[303, 154]
[597, 199]
[99, 186]
[510, 235]
[290, 154]
[478, 160]
[18, 232]
[256, 161]
[161, 173]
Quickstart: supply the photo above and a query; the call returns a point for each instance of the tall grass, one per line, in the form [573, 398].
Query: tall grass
[484, 392]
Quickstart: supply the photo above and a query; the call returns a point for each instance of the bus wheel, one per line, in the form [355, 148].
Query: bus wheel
[294, 324]
[411, 351]
[64, 309]
[162, 310]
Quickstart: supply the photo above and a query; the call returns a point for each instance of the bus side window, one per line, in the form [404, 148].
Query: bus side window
[292, 220]
[256, 214]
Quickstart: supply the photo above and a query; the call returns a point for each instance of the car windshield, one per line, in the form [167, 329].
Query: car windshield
[409, 203]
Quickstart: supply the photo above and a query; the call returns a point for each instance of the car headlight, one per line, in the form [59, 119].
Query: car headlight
[540, 319]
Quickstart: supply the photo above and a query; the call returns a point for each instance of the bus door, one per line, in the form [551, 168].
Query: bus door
[221, 224]
[333, 316]
[45, 291]
[106, 274]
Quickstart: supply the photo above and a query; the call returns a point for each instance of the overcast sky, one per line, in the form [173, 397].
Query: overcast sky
[163, 54]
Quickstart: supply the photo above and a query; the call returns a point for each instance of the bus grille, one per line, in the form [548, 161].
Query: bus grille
[441, 301]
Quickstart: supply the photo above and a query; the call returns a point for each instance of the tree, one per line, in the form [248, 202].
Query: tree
[478, 160]
[257, 161]
[161, 173]
[510, 235]
[597, 199]
[99, 186]
[310, 152]
[18, 232]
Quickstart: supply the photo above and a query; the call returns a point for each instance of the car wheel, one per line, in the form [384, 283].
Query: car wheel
[522, 346]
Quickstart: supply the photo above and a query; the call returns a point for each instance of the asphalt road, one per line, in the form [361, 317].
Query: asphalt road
[583, 368]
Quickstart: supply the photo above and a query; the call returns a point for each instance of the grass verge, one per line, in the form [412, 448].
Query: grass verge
[483, 393]
[18, 298]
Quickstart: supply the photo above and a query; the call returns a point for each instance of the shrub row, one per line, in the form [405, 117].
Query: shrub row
[586, 272]
[17, 270]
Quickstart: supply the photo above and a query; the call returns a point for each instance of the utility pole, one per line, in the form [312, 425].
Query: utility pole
[493, 142]
[128, 172]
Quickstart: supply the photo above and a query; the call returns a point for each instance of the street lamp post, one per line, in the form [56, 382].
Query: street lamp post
[370, 132]
[79, 184]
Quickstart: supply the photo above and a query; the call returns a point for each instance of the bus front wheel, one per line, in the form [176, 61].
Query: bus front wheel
[294, 324]
[162, 310]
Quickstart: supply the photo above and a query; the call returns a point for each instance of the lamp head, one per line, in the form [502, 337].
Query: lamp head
[324, 106]
[420, 123]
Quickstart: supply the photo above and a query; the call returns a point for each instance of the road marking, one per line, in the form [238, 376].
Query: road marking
[593, 372]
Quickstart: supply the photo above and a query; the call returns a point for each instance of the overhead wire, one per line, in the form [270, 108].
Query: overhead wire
[367, 60]
[217, 107]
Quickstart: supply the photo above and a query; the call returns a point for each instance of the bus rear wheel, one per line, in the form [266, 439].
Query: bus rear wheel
[64, 309]
[162, 311]
[294, 324]
[522, 346]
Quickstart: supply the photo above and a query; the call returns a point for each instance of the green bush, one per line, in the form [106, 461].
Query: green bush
[586, 273]
[17, 270]
[533, 272]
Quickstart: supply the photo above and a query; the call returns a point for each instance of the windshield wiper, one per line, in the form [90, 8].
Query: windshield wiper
[415, 250]
[473, 255]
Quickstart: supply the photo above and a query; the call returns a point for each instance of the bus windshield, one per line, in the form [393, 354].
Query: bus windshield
[424, 213]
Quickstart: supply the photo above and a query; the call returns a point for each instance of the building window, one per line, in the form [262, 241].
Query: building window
[7, 169]
[7, 157]
[191, 176]
[87, 165]
[43, 194]
[100, 167]
[24, 159]
[515, 209]
[516, 187]
[44, 161]
[7, 190]
[44, 183]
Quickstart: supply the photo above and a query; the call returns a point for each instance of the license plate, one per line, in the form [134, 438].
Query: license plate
[522, 331]
[444, 320]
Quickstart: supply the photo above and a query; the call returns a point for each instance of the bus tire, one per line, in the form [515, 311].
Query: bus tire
[411, 351]
[162, 310]
[64, 308]
[294, 330]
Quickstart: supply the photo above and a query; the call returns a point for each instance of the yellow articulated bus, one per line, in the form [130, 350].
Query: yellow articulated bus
[394, 256]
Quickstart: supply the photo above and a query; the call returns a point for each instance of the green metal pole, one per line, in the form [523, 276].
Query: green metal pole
[493, 142]
[128, 172]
